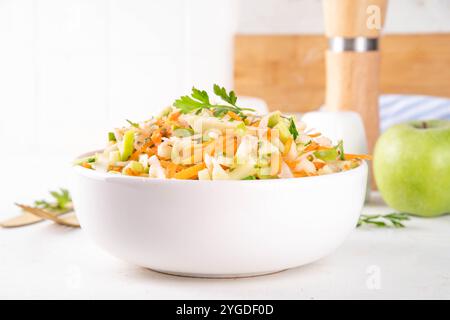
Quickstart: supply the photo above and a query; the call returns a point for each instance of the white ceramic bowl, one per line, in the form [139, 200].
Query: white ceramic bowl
[219, 228]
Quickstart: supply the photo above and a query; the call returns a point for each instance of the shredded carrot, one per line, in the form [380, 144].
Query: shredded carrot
[115, 168]
[349, 156]
[323, 148]
[300, 174]
[190, 172]
[311, 147]
[314, 135]
[171, 168]
[291, 164]
[235, 145]
[319, 165]
[234, 116]
[86, 165]
[174, 116]
[269, 134]
[256, 123]
[131, 172]
[156, 137]
[287, 147]
[164, 163]
[152, 151]
[137, 153]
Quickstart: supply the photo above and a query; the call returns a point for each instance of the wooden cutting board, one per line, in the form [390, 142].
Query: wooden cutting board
[289, 71]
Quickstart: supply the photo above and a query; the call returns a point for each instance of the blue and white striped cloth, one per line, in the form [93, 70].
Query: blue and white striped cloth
[395, 109]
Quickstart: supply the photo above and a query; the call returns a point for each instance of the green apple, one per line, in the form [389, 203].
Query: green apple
[412, 167]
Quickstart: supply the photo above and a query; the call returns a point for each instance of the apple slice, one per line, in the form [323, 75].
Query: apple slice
[126, 147]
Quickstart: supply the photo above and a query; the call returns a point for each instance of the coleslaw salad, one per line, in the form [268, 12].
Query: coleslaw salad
[198, 139]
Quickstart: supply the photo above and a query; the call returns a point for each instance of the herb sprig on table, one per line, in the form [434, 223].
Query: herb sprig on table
[382, 221]
[199, 100]
[62, 201]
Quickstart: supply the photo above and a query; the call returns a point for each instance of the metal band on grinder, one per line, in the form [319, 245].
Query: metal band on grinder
[359, 44]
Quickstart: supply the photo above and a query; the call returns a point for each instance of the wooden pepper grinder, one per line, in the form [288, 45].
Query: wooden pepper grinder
[353, 61]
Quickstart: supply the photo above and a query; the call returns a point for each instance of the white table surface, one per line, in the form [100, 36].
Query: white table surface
[50, 261]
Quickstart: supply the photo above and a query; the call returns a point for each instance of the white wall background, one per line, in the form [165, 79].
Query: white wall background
[71, 69]
[305, 16]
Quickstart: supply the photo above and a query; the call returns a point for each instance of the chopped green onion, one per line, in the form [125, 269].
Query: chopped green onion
[340, 149]
[90, 159]
[111, 136]
[182, 132]
[133, 124]
[273, 119]
[241, 129]
[127, 146]
[327, 155]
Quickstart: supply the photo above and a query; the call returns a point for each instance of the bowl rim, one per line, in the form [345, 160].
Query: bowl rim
[99, 175]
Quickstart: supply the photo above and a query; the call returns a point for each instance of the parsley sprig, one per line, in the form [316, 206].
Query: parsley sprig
[62, 201]
[382, 221]
[199, 100]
